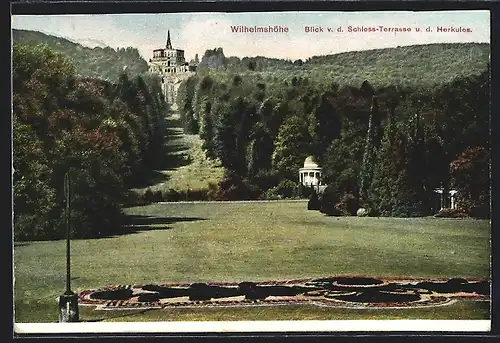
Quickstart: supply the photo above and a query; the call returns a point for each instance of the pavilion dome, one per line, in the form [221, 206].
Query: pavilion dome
[310, 162]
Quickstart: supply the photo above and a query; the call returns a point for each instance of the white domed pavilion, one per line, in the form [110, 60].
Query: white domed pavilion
[310, 174]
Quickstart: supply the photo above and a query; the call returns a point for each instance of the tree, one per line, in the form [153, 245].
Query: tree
[251, 65]
[207, 127]
[325, 124]
[89, 127]
[393, 191]
[470, 174]
[292, 146]
[225, 138]
[371, 144]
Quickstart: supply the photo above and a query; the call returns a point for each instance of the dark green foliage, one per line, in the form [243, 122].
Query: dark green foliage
[185, 96]
[305, 191]
[395, 190]
[102, 133]
[292, 146]
[267, 178]
[328, 201]
[172, 195]
[233, 187]
[325, 123]
[152, 196]
[348, 204]
[286, 189]
[471, 178]
[314, 203]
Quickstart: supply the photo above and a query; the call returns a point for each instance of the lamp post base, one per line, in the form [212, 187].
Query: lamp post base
[68, 308]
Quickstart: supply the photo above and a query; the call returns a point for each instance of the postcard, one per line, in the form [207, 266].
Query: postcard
[251, 171]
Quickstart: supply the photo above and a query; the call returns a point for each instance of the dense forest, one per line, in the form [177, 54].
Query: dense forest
[388, 126]
[104, 134]
[383, 145]
[104, 63]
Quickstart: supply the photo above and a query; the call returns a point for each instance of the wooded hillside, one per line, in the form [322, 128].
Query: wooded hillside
[105, 63]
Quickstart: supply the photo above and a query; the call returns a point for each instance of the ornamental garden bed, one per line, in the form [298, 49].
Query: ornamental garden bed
[336, 291]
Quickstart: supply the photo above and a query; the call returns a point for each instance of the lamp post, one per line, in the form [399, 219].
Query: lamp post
[68, 302]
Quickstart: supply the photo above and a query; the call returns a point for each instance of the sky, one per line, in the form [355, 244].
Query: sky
[196, 32]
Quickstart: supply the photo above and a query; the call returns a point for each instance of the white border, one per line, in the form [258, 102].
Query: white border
[257, 326]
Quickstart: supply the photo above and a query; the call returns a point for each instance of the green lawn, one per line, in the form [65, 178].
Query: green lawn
[253, 241]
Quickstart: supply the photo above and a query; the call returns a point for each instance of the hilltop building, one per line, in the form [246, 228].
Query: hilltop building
[170, 64]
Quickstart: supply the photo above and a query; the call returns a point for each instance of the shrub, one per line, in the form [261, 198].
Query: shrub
[266, 179]
[314, 203]
[148, 196]
[287, 188]
[171, 195]
[131, 198]
[152, 196]
[349, 204]
[451, 213]
[305, 192]
[196, 194]
[328, 201]
[272, 194]
[157, 196]
[233, 187]
[212, 191]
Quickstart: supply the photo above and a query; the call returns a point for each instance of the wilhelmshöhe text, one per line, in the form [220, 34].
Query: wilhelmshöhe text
[259, 29]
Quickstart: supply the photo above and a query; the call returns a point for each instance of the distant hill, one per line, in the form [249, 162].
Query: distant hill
[105, 63]
[416, 65]
[430, 59]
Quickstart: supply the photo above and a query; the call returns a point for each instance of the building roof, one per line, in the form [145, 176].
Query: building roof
[310, 163]
[169, 43]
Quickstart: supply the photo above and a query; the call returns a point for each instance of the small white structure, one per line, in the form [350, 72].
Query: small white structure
[362, 212]
[310, 174]
[451, 195]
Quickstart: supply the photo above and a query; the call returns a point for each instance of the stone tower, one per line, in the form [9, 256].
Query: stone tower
[171, 66]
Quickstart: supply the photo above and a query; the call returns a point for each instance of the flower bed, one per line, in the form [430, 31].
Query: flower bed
[344, 291]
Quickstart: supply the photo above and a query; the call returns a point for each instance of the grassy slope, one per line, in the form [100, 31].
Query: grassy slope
[252, 241]
[184, 164]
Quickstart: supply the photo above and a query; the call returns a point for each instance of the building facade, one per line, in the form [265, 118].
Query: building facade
[310, 173]
[171, 66]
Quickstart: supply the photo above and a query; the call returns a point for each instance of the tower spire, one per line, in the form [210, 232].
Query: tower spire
[169, 44]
